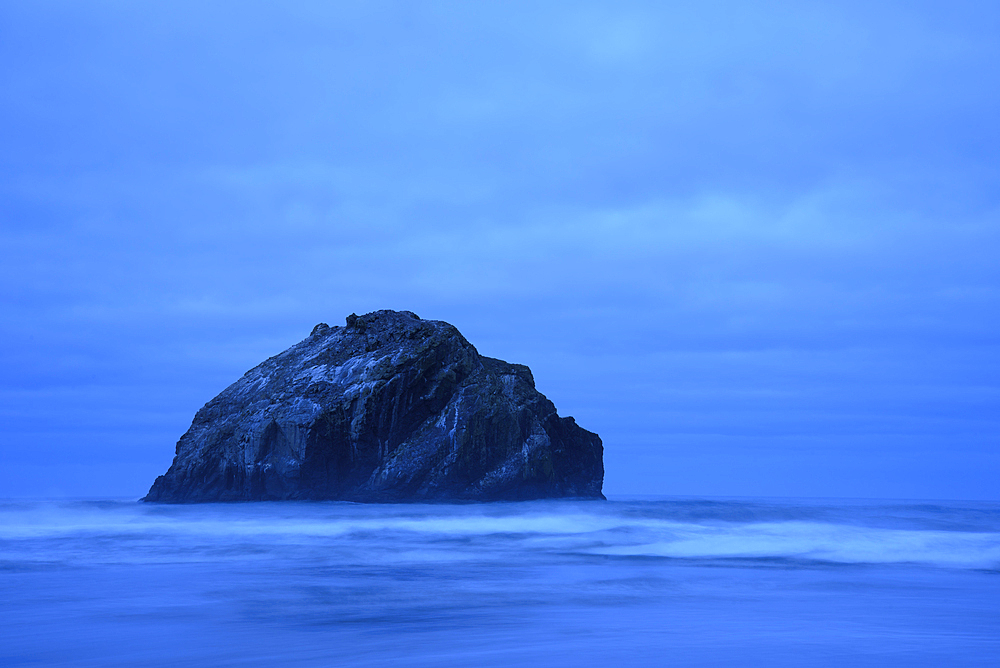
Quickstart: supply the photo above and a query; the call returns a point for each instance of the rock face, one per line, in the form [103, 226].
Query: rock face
[389, 408]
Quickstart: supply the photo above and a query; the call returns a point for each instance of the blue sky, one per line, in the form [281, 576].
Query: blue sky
[755, 246]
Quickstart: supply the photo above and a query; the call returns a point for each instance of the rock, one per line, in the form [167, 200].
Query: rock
[390, 408]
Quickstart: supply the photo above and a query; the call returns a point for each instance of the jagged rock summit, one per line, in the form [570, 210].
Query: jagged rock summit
[389, 408]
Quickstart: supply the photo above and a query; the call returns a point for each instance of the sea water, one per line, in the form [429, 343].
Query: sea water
[627, 582]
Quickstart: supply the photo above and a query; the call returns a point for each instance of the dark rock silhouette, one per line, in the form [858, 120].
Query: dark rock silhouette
[389, 408]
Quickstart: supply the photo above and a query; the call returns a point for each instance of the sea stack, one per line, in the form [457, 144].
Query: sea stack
[389, 408]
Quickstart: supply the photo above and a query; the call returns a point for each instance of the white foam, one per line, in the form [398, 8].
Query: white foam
[822, 542]
[588, 529]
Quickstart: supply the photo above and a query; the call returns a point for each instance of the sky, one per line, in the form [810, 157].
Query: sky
[754, 246]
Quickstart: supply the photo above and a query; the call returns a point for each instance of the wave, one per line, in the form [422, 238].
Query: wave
[812, 541]
[938, 535]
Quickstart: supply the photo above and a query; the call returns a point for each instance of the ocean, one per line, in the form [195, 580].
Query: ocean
[627, 582]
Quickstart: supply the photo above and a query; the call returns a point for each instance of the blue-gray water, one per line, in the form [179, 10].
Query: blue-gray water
[627, 582]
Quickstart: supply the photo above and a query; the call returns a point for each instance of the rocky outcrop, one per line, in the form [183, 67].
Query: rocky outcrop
[389, 408]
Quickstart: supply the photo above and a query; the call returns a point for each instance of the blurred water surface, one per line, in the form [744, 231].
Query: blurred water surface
[650, 582]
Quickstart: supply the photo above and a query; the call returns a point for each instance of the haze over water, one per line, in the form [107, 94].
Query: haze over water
[640, 582]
